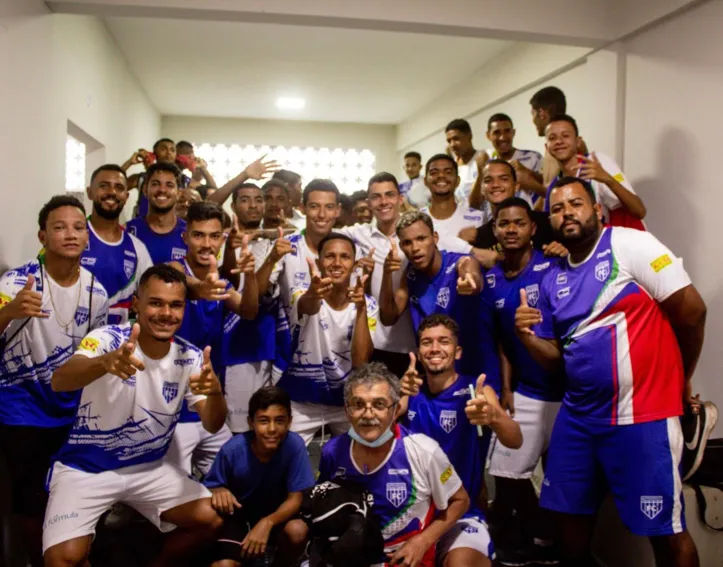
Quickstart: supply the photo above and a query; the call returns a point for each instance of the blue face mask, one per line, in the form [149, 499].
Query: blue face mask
[383, 438]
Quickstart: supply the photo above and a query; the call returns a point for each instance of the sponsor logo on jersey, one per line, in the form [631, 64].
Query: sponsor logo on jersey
[97, 290]
[131, 230]
[461, 392]
[533, 294]
[90, 344]
[446, 475]
[500, 303]
[471, 217]
[396, 493]
[451, 268]
[561, 279]
[372, 323]
[129, 253]
[87, 261]
[411, 414]
[323, 324]
[660, 263]
[602, 270]
[128, 268]
[184, 361]
[564, 292]
[448, 420]
[540, 267]
[60, 518]
[490, 278]
[300, 277]
[340, 473]
[470, 529]
[4, 300]
[398, 471]
[443, 297]
[604, 253]
[170, 391]
[619, 177]
[651, 506]
[81, 316]
[178, 253]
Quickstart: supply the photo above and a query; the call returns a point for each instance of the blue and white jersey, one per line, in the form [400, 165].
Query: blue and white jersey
[121, 423]
[321, 345]
[416, 192]
[118, 266]
[503, 295]
[33, 348]
[441, 416]
[428, 296]
[532, 160]
[468, 173]
[409, 487]
[163, 248]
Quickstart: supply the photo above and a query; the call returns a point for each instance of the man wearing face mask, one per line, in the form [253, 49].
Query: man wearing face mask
[408, 474]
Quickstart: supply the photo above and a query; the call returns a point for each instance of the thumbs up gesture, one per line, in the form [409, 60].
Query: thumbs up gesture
[281, 247]
[206, 382]
[320, 288]
[392, 262]
[479, 410]
[123, 362]
[212, 287]
[411, 382]
[525, 316]
[246, 263]
[27, 303]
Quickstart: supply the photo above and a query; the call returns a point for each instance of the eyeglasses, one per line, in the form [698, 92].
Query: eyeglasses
[378, 407]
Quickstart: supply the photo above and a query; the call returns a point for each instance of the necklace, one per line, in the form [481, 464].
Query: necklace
[65, 325]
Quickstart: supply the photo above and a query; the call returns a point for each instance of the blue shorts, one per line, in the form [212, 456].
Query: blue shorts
[639, 464]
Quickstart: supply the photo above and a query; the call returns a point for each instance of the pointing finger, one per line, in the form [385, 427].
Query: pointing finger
[312, 267]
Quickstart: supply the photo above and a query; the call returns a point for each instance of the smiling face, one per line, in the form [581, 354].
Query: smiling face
[66, 233]
[204, 240]
[498, 183]
[160, 308]
[162, 191]
[385, 201]
[438, 349]
[502, 135]
[369, 424]
[442, 178]
[270, 427]
[336, 261]
[561, 140]
[322, 209]
[109, 193]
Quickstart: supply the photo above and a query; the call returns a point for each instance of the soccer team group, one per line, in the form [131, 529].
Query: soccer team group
[498, 311]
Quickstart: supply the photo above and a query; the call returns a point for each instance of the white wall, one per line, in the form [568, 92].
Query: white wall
[57, 69]
[377, 138]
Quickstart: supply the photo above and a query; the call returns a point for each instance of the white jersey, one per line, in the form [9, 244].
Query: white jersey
[605, 196]
[463, 217]
[260, 248]
[468, 173]
[416, 192]
[321, 361]
[32, 348]
[121, 423]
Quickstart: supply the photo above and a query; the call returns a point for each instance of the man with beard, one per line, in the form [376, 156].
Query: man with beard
[449, 216]
[624, 321]
[116, 258]
[203, 325]
[443, 407]
[46, 307]
[161, 230]
[133, 381]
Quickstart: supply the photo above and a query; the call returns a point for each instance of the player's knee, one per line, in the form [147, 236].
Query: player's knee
[72, 553]
[206, 517]
[226, 563]
[466, 557]
[296, 532]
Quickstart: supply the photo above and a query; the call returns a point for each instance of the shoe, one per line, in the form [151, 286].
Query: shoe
[696, 430]
[515, 557]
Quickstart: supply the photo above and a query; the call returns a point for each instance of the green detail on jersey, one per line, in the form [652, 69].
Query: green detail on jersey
[411, 502]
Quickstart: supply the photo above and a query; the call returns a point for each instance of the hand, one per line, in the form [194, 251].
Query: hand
[122, 362]
[487, 257]
[555, 249]
[466, 285]
[411, 382]
[591, 170]
[481, 160]
[526, 317]
[366, 263]
[212, 287]
[524, 174]
[479, 410]
[320, 288]
[235, 235]
[410, 554]
[508, 402]
[255, 541]
[356, 293]
[246, 263]
[689, 399]
[206, 383]
[138, 157]
[201, 163]
[259, 168]
[281, 247]
[27, 303]
[223, 500]
[392, 262]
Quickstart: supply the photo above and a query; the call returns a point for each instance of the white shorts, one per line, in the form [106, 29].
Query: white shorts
[536, 419]
[307, 419]
[78, 499]
[193, 445]
[470, 532]
[242, 380]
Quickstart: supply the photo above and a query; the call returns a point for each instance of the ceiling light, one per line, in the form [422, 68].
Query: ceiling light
[290, 103]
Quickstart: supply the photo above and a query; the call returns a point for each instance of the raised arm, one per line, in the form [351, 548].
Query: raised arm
[319, 289]
[547, 353]
[246, 303]
[392, 303]
[476, 195]
[255, 170]
[592, 170]
[281, 248]
[362, 346]
[212, 410]
[485, 409]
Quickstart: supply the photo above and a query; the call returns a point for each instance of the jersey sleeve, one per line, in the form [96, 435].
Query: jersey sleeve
[221, 469]
[650, 262]
[607, 197]
[300, 476]
[99, 342]
[545, 330]
[191, 398]
[10, 286]
[433, 468]
[372, 314]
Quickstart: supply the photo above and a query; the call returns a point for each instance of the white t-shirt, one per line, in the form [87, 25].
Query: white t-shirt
[467, 172]
[34, 347]
[121, 423]
[416, 192]
[463, 217]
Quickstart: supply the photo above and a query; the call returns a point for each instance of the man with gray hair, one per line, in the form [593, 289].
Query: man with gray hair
[408, 474]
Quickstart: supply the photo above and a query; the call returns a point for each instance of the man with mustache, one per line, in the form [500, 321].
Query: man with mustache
[624, 321]
[46, 307]
[161, 230]
[418, 495]
[451, 409]
[116, 258]
[133, 381]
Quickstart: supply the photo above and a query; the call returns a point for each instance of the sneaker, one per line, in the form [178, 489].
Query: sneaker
[696, 430]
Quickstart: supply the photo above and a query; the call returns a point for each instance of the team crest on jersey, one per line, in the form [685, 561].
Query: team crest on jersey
[411, 414]
[81, 316]
[602, 271]
[178, 253]
[500, 303]
[448, 420]
[396, 493]
[128, 268]
[651, 506]
[443, 297]
[490, 280]
[533, 294]
[170, 391]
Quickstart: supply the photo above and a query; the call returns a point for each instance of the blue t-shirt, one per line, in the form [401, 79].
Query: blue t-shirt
[163, 248]
[503, 295]
[441, 416]
[261, 487]
[438, 294]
